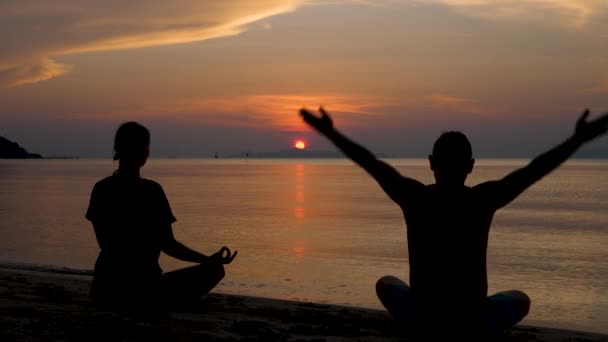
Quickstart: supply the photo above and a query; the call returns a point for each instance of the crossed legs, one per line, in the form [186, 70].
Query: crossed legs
[185, 285]
[503, 309]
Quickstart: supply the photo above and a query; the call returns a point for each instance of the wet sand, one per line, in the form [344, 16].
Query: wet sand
[40, 305]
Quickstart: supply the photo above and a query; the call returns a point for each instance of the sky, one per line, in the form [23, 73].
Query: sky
[229, 76]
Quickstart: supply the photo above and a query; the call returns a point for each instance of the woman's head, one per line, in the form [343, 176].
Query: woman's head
[132, 143]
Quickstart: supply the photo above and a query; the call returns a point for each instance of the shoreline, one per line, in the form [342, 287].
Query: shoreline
[52, 303]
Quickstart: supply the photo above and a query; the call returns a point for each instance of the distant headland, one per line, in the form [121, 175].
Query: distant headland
[12, 150]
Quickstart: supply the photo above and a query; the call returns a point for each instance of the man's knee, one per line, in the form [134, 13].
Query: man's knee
[395, 295]
[524, 303]
[522, 300]
[383, 283]
[389, 286]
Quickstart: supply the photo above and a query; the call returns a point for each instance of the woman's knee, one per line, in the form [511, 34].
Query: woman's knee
[211, 270]
[219, 271]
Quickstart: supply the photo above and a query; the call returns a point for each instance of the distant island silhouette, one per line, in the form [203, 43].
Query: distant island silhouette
[12, 150]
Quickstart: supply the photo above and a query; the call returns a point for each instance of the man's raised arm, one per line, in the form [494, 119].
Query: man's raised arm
[397, 187]
[508, 188]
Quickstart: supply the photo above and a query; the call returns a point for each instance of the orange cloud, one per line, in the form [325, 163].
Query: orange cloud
[458, 104]
[600, 87]
[279, 111]
[33, 72]
[33, 32]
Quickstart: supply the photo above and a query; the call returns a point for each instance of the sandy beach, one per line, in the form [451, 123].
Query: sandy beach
[40, 305]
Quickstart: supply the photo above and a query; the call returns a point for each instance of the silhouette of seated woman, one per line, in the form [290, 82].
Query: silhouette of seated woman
[447, 231]
[132, 221]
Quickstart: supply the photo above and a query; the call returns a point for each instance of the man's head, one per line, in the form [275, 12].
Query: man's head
[132, 144]
[452, 159]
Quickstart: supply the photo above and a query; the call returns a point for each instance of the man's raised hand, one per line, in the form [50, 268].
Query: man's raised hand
[589, 130]
[323, 124]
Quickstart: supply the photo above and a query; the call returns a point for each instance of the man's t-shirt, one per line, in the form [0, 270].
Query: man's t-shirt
[131, 217]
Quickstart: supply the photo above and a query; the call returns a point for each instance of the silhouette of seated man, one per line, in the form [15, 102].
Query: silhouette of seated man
[447, 231]
[132, 221]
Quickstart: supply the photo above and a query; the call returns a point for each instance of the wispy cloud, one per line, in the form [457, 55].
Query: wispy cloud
[458, 104]
[278, 112]
[570, 13]
[34, 32]
[601, 87]
[265, 110]
[33, 72]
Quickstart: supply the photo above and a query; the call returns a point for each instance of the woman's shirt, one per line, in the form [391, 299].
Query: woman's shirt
[131, 217]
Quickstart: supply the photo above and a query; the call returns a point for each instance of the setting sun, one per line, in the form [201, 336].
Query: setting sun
[300, 145]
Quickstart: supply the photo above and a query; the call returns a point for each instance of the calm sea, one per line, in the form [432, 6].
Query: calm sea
[323, 231]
